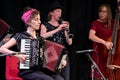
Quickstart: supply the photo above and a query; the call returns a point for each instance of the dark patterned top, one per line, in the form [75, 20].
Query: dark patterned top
[34, 47]
[59, 37]
[19, 36]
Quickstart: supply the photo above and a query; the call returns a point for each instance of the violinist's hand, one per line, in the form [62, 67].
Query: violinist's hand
[21, 57]
[109, 45]
[64, 63]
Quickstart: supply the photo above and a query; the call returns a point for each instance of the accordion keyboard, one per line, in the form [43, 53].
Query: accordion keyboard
[25, 48]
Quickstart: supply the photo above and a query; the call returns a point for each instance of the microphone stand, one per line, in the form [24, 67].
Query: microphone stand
[10, 54]
[94, 66]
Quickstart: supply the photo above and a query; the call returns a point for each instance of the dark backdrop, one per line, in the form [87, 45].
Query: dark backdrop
[79, 13]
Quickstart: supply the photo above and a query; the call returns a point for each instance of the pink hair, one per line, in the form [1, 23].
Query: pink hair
[25, 17]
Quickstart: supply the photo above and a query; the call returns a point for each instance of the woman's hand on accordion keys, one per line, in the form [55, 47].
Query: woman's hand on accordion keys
[64, 63]
[21, 57]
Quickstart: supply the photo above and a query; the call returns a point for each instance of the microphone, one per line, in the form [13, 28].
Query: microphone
[11, 54]
[86, 51]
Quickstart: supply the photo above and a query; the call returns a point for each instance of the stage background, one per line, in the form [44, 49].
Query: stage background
[79, 13]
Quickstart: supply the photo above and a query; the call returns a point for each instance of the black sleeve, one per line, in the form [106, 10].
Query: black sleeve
[17, 37]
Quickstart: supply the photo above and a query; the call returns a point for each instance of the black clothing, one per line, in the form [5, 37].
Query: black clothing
[59, 38]
[32, 74]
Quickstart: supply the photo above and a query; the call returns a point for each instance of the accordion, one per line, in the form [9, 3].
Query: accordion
[49, 56]
[54, 54]
[31, 49]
